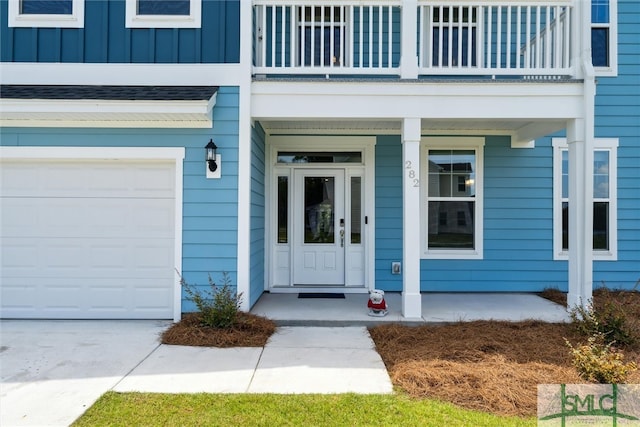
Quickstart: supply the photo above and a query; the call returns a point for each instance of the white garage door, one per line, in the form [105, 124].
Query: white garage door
[87, 239]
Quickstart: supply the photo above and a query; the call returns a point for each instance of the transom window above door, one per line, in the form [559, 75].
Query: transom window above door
[319, 157]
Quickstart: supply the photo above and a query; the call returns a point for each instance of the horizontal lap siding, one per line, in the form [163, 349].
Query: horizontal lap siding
[211, 205]
[517, 227]
[388, 199]
[210, 209]
[618, 116]
[257, 260]
[104, 38]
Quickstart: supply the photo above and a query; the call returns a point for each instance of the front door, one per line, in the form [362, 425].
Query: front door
[319, 227]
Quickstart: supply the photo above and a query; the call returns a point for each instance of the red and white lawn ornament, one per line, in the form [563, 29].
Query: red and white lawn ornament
[377, 305]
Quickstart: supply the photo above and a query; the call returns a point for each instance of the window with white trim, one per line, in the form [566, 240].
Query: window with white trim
[452, 169]
[163, 13]
[46, 13]
[604, 37]
[604, 169]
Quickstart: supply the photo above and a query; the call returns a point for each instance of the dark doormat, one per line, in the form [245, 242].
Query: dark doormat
[318, 295]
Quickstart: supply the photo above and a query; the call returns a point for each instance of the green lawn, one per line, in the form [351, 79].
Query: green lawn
[148, 409]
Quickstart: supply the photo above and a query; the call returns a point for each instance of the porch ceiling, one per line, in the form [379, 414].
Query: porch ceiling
[522, 130]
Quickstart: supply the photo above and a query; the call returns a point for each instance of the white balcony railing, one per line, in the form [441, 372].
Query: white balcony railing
[454, 37]
[327, 37]
[494, 37]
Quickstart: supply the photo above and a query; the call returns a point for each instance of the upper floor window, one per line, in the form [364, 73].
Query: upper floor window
[604, 168]
[163, 13]
[604, 36]
[46, 13]
[453, 197]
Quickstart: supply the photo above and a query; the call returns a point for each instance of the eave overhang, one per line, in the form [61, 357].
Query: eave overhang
[107, 106]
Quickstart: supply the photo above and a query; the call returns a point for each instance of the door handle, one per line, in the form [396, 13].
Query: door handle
[342, 237]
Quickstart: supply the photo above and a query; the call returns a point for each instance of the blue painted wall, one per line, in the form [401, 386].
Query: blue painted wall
[388, 198]
[210, 205]
[618, 116]
[105, 39]
[518, 221]
[257, 260]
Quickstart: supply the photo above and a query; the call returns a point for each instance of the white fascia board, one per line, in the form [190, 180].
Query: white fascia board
[33, 73]
[106, 113]
[422, 87]
[435, 101]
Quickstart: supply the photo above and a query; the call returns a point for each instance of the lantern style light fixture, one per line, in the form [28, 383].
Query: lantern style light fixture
[213, 160]
[211, 156]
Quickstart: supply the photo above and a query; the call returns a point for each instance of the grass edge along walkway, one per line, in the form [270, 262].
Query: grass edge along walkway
[156, 409]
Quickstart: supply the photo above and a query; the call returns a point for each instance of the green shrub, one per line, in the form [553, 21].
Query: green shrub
[607, 318]
[218, 306]
[599, 362]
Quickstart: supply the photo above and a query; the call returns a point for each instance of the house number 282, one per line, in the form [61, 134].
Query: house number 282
[411, 173]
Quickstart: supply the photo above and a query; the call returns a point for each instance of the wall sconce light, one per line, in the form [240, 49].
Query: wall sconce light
[213, 160]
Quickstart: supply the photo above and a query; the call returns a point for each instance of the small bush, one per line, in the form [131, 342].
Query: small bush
[218, 306]
[607, 318]
[599, 362]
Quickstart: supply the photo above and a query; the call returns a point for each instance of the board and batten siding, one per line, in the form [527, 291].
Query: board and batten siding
[257, 251]
[105, 39]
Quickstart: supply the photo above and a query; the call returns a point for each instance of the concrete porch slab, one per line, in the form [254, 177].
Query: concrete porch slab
[288, 309]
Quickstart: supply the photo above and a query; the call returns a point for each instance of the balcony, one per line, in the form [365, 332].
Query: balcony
[481, 38]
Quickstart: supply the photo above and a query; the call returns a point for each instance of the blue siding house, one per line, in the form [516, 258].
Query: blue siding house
[406, 145]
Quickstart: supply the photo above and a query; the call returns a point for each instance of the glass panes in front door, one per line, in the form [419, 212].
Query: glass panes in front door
[319, 209]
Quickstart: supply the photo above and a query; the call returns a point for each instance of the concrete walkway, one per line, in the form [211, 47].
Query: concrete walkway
[52, 371]
[295, 360]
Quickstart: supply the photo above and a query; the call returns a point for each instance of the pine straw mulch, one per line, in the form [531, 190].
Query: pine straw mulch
[248, 331]
[486, 365]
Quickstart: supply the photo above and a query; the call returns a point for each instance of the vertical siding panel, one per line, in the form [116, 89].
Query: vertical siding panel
[175, 45]
[152, 44]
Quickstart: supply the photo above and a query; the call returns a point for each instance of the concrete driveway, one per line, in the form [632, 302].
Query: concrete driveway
[52, 371]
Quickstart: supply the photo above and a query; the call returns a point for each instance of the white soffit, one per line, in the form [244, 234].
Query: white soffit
[107, 113]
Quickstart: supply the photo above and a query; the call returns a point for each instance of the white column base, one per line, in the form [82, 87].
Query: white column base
[411, 305]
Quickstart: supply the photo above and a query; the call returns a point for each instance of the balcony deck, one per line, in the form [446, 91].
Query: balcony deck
[479, 38]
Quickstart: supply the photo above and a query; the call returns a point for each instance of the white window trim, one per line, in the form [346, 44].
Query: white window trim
[74, 20]
[453, 143]
[600, 144]
[612, 69]
[193, 20]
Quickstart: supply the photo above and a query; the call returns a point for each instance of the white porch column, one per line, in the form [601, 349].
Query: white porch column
[411, 300]
[409, 40]
[580, 213]
[244, 157]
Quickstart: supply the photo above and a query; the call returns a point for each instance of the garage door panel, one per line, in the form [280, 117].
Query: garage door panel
[65, 298]
[87, 239]
[88, 178]
[68, 218]
[38, 258]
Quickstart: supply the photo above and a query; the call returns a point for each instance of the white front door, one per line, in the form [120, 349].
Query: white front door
[319, 227]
